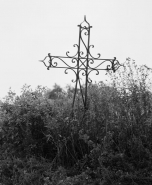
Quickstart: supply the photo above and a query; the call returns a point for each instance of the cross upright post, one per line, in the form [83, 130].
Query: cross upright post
[82, 63]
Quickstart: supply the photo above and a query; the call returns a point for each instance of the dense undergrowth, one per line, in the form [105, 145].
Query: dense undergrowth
[42, 144]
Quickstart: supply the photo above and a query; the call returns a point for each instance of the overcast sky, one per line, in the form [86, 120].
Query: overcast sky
[30, 29]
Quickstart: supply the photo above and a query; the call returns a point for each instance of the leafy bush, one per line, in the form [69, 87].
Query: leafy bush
[110, 143]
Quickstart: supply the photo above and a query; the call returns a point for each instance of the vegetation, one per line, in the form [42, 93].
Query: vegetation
[42, 144]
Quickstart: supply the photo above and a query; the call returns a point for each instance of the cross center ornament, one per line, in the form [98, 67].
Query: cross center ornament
[82, 63]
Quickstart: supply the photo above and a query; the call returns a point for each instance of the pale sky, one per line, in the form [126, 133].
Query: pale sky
[30, 29]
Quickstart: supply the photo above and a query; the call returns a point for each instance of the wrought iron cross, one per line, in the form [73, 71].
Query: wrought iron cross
[82, 63]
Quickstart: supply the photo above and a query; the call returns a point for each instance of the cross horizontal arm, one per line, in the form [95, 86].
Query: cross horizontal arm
[81, 63]
[77, 58]
[81, 68]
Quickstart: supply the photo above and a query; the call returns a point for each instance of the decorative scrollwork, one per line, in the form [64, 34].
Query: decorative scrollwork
[83, 61]
[86, 33]
[91, 61]
[99, 55]
[67, 53]
[74, 61]
[97, 71]
[66, 72]
[89, 80]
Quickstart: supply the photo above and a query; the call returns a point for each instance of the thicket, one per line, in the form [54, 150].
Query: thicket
[42, 144]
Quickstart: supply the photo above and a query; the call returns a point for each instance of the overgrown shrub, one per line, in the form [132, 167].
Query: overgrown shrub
[108, 144]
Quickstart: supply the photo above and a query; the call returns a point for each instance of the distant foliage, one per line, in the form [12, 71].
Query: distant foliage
[41, 143]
